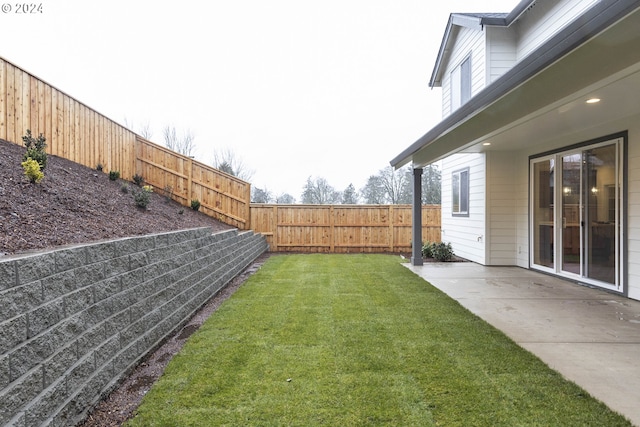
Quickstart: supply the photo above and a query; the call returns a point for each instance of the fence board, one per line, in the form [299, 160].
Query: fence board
[78, 133]
[27, 102]
[221, 196]
[342, 228]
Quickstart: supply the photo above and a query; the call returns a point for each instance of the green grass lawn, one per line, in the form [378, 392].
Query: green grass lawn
[357, 340]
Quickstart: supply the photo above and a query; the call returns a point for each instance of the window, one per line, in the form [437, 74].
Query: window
[460, 192]
[465, 80]
[461, 84]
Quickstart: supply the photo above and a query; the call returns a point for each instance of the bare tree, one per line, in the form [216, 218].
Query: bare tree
[227, 161]
[319, 192]
[431, 185]
[144, 130]
[396, 184]
[373, 192]
[261, 195]
[389, 186]
[184, 145]
[285, 199]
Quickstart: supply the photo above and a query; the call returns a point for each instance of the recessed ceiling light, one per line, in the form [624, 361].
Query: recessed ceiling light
[593, 100]
[486, 143]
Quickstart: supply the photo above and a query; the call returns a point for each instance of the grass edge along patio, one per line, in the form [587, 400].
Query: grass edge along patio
[357, 340]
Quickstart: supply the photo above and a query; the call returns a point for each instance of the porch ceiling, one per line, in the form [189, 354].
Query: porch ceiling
[552, 102]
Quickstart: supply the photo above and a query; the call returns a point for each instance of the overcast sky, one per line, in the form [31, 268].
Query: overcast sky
[296, 88]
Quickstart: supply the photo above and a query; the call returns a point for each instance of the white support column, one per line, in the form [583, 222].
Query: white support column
[416, 225]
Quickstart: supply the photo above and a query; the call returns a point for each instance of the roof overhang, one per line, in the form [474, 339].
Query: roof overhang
[598, 51]
[474, 21]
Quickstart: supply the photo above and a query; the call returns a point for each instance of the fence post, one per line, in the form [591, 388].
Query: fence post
[332, 234]
[189, 182]
[275, 229]
[390, 218]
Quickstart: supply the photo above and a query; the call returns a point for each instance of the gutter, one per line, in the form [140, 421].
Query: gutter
[598, 18]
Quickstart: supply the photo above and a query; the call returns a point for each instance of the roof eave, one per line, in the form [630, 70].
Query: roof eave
[598, 18]
[460, 19]
[434, 81]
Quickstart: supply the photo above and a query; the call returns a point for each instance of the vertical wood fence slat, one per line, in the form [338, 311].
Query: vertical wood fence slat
[79, 133]
[342, 228]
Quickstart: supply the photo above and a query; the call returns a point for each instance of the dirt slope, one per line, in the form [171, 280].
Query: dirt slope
[75, 204]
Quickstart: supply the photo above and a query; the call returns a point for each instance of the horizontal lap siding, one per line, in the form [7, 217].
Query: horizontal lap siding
[342, 228]
[544, 20]
[472, 42]
[633, 192]
[466, 234]
[501, 52]
[501, 182]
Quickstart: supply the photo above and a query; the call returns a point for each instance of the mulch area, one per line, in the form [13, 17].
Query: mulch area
[76, 204]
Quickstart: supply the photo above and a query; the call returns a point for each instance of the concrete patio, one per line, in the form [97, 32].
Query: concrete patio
[590, 336]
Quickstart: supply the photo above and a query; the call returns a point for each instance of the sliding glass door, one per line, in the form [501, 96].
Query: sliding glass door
[576, 229]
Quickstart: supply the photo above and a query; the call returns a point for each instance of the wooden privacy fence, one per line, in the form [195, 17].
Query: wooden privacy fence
[73, 130]
[221, 195]
[342, 228]
[80, 134]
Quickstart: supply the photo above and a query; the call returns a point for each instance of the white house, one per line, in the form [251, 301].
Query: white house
[540, 140]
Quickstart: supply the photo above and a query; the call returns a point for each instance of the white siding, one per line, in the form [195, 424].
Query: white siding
[468, 42]
[501, 52]
[544, 20]
[514, 168]
[466, 234]
[633, 227]
[501, 242]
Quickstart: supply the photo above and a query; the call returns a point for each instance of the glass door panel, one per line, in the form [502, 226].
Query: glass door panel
[571, 213]
[576, 230]
[543, 224]
[601, 207]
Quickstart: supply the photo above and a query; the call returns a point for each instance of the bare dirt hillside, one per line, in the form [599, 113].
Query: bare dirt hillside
[75, 204]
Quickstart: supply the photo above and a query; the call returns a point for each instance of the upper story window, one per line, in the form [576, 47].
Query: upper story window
[461, 84]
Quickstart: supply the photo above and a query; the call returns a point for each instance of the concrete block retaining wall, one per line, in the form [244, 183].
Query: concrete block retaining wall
[75, 321]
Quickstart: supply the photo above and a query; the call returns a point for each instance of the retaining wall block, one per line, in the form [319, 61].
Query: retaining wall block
[59, 284]
[116, 266]
[12, 333]
[78, 300]
[18, 300]
[56, 365]
[89, 274]
[145, 243]
[105, 288]
[126, 246]
[8, 275]
[68, 259]
[35, 267]
[47, 401]
[44, 317]
[77, 320]
[5, 375]
[19, 394]
[100, 252]
[91, 339]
